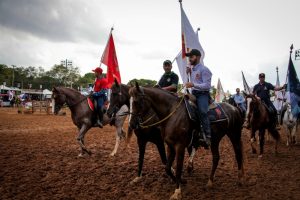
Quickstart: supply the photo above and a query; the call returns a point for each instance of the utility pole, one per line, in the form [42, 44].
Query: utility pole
[68, 63]
[13, 76]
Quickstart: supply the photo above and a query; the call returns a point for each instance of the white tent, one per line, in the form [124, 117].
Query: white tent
[47, 93]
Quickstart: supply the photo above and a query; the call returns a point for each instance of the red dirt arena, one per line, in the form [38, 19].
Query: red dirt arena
[38, 160]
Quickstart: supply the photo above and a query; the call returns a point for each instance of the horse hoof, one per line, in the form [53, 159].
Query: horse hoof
[177, 195]
[136, 180]
[81, 155]
[190, 169]
[209, 184]
[112, 154]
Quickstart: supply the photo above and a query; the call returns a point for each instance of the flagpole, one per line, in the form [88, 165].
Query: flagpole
[111, 30]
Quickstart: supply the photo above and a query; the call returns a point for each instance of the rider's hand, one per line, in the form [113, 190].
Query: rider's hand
[188, 69]
[189, 85]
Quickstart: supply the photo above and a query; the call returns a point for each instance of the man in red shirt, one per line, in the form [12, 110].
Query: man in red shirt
[100, 94]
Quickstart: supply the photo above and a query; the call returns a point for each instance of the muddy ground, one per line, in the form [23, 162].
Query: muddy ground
[38, 160]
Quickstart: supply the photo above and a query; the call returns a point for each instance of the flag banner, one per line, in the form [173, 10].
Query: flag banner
[109, 58]
[293, 88]
[247, 89]
[278, 101]
[297, 54]
[220, 94]
[189, 41]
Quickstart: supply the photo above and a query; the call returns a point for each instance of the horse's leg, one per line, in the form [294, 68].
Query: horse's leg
[216, 157]
[118, 138]
[238, 150]
[294, 135]
[252, 141]
[161, 150]
[170, 160]
[84, 128]
[192, 152]
[261, 142]
[179, 165]
[142, 147]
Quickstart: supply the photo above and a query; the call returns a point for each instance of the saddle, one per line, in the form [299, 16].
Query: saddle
[215, 113]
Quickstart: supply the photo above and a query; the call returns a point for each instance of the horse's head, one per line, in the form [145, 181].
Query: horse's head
[139, 106]
[252, 102]
[118, 98]
[289, 115]
[59, 99]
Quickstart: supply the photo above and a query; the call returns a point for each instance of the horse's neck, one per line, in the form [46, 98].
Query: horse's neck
[72, 97]
[125, 92]
[162, 104]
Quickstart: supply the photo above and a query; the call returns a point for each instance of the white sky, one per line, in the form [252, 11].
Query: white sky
[249, 35]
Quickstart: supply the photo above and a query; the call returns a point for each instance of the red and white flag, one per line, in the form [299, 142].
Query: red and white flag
[109, 58]
[189, 41]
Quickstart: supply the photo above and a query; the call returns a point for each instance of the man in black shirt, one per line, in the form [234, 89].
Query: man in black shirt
[169, 80]
[262, 91]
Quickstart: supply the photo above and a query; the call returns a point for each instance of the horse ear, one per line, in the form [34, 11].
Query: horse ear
[116, 82]
[54, 89]
[137, 86]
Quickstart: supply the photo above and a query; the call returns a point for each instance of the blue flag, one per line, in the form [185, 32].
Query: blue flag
[293, 88]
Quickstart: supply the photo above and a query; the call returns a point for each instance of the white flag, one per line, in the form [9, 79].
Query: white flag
[189, 41]
[278, 96]
[220, 94]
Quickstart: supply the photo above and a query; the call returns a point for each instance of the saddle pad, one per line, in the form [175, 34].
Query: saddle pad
[216, 113]
[91, 104]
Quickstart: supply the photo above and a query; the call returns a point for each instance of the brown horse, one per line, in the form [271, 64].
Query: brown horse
[120, 97]
[177, 129]
[82, 116]
[259, 120]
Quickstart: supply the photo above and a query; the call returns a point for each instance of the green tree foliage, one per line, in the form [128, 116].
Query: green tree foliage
[142, 82]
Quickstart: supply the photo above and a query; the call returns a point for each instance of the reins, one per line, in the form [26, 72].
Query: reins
[164, 119]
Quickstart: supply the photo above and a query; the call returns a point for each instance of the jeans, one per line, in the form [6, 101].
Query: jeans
[203, 106]
[100, 98]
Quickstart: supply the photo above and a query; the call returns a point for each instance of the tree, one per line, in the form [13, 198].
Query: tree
[142, 82]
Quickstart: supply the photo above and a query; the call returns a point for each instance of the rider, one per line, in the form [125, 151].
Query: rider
[239, 100]
[169, 80]
[99, 94]
[200, 83]
[262, 92]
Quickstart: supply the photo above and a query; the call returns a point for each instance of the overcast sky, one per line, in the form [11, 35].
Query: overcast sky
[251, 35]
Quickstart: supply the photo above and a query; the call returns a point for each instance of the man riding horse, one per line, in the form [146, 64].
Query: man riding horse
[239, 100]
[200, 83]
[99, 94]
[169, 80]
[262, 92]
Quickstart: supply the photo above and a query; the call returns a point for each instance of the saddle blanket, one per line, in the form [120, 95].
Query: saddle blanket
[91, 104]
[215, 113]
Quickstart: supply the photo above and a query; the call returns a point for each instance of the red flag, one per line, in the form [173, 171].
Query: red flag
[109, 58]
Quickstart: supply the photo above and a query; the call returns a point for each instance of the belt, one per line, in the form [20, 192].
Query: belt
[198, 92]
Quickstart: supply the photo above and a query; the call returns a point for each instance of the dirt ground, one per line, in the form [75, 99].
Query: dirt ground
[38, 160]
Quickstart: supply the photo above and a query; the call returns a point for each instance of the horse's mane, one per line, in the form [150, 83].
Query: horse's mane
[60, 88]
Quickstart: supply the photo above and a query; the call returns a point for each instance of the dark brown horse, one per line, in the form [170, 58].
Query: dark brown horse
[120, 97]
[177, 129]
[82, 116]
[260, 120]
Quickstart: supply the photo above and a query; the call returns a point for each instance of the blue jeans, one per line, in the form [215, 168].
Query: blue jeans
[101, 98]
[203, 106]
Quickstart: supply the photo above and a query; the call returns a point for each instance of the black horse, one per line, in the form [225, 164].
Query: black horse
[119, 97]
[177, 129]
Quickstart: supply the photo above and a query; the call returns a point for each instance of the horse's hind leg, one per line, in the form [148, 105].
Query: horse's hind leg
[170, 160]
[142, 147]
[216, 157]
[179, 165]
[252, 142]
[118, 139]
[238, 150]
[261, 142]
[192, 152]
[84, 128]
